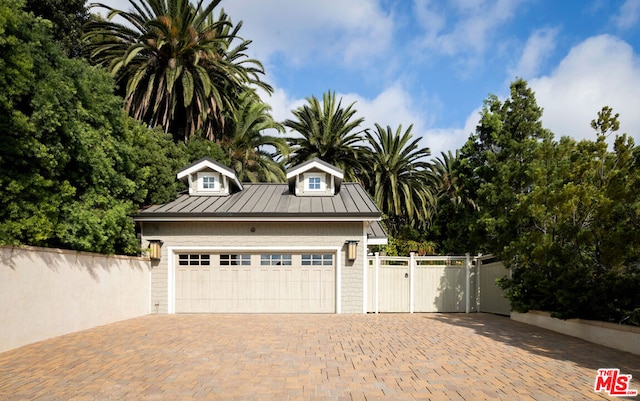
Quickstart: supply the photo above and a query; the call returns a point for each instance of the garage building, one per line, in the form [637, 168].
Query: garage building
[231, 247]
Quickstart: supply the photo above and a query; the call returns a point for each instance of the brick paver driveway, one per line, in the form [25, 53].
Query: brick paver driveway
[310, 357]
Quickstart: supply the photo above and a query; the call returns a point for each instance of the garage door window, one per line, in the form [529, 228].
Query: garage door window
[318, 259]
[194, 260]
[275, 260]
[235, 260]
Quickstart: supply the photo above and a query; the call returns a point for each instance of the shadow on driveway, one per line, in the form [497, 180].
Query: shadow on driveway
[543, 342]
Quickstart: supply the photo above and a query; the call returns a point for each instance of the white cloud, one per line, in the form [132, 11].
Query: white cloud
[450, 139]
[393, 107]
[302, 31]
[602, 70]
[281, 103]
[538, 47]
[628, 15]
[470, 27]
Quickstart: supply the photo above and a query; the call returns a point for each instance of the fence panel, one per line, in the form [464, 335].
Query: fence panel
[433, 284]
[492, 298]
[439, 288]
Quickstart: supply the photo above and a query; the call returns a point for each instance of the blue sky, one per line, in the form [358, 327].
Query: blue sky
[432, 63]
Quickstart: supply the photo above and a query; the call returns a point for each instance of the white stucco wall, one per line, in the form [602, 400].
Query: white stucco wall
[50, 292]
[618, 336]
[264, 235]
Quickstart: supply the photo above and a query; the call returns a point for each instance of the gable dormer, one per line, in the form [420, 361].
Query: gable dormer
[206, 177]
[314, 178]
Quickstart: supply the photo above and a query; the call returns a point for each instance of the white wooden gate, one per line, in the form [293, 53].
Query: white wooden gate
[394, 294]
[434, 284]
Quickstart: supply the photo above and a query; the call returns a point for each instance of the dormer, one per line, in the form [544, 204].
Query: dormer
[314, 178]
[206, 177]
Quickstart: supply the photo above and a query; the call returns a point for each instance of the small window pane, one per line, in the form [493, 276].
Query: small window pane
[235, 260]
[194, 259]
[208, 182]
[275, 260]
[314, 182]
[323, 259]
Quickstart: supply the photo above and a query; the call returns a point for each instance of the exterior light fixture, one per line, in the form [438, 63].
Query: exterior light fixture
[154, 249]
[352, 250]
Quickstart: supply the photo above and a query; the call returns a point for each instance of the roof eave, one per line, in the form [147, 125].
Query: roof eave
[315, 163]
[212, 164]
[346, 217]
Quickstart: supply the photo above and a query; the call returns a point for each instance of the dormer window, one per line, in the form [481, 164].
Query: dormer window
[208, 182]
[314, 178]
[209, 178]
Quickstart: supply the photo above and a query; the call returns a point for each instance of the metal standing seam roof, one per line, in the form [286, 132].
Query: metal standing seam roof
[376, 234]
[268, 201]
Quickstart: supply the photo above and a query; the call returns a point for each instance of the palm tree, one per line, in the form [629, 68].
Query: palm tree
[175, 64]
[443, 168]
[328, 133]
[249, 148]
[398, 177]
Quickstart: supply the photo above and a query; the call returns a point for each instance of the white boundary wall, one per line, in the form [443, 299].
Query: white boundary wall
[50, 292]
[618, 336]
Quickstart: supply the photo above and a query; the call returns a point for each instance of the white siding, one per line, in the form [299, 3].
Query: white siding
[258, 235]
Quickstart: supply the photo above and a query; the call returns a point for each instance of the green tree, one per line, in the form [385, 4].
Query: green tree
[327, 131]
[73, 167]
[399, 177]
[67, 16]
[251, 151]
[494, 165]
[455, 209]
[449, 189]
[177, 66]
[198, 147]
[156, 158]
[577, 255]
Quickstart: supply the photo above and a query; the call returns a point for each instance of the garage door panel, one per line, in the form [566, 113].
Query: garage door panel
[291, 288]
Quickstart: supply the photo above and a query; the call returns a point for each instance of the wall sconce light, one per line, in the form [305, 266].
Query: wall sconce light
[154, 249]
[352, 249]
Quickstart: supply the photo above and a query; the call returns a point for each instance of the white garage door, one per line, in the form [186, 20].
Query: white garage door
[255, 283]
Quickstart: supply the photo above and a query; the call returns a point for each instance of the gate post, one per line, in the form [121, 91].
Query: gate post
[467, 267]
[376, 268]
[412, 262]
[479, 292]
